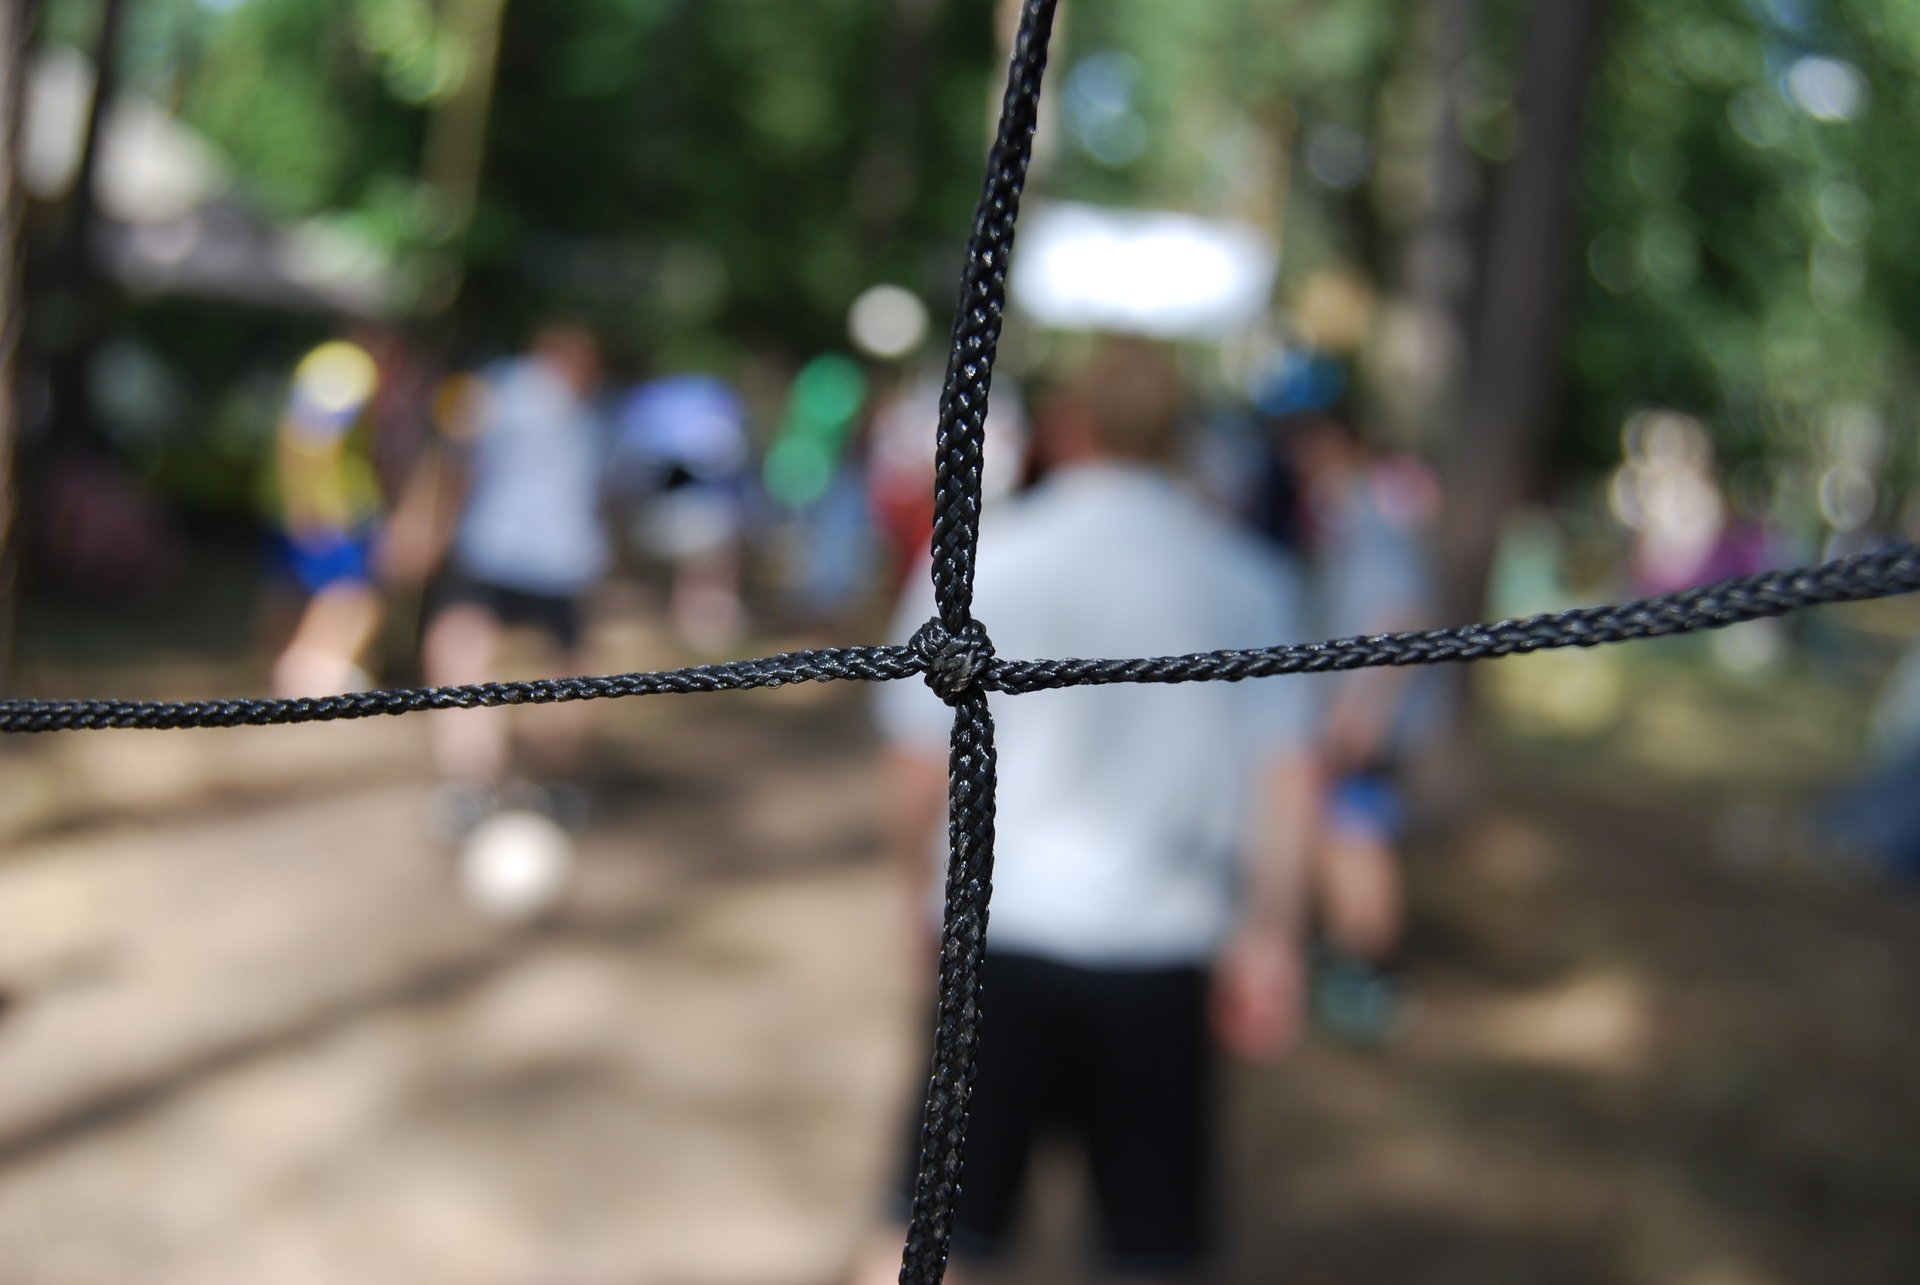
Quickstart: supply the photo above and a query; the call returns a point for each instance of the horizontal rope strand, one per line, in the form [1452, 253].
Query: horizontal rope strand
[1881, 574]
[861, 664]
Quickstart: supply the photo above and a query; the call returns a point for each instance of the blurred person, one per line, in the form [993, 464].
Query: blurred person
[1687, 531]
[836, 543]
[1360, 518]
[1152, 849]
[681, 442]
[328, 506]
[816, 475]
[512, 506]
[1875, 817]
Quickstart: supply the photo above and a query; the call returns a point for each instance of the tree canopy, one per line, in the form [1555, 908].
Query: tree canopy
[736, 171]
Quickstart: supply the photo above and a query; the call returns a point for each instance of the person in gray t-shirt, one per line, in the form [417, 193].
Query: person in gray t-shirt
[1152, 840]
[509, 510]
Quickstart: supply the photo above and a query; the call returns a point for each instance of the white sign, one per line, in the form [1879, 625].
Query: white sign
[1145, 272]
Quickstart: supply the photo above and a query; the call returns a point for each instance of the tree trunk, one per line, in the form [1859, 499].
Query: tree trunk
[1515, 362]
[1422, 351]
[75, 276]
[1530, 273]
[15, 19]
[454, 153]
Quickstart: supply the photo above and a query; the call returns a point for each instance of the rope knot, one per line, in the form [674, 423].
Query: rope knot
[956, 662]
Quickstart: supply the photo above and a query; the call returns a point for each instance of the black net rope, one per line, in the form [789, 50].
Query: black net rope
[862, 664]
[952, 666]
[958, 654]
[954, 655]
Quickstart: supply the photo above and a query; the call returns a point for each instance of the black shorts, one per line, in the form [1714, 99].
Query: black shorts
[555, 615]
[1120, 1060]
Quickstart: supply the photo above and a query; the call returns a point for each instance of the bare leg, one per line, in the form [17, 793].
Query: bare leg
[1360, 893]
[470, 746]
[557, 734]
[323, 656]
[705, 604]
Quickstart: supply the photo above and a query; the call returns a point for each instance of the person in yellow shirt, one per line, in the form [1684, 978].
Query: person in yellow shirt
[328, 505]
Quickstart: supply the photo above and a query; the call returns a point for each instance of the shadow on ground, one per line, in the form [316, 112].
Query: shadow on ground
[258, 1040]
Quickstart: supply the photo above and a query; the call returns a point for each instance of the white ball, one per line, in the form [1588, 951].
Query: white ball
[515, 865]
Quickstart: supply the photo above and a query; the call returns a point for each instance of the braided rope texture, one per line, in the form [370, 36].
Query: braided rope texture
[1881, 574]
[951, 664]
[860, 664]
[977, 320]
[958, 993]
[959, 655]
[955, 656]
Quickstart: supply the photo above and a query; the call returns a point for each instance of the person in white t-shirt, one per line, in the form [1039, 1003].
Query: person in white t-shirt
[1151, 840]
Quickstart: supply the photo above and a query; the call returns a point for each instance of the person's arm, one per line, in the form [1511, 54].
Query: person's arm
[1261, 978]
[421, 526]
[434, 495]
[913, 773]
[1388, 573]
[1286, 815]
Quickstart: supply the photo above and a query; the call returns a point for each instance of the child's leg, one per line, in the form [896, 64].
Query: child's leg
[1357, 872]
[470, 746]
[323, 656]
[1360, 895]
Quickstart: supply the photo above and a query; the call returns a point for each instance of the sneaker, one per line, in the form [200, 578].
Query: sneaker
[1358, 1004]
[563, 801]
[455, 811]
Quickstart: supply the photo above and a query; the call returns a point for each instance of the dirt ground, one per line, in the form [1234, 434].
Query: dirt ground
[255, 1038]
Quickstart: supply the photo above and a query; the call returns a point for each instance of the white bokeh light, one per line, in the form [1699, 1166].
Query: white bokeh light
[887, 321]
[1829, 89]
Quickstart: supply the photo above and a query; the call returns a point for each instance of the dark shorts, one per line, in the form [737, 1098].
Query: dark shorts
[1119, 1060]
[555, 615]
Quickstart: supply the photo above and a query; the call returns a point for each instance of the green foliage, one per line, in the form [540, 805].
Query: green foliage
[701, 174]
[419, 62]
[736, 167]
[1214, 77]
[1751, 248]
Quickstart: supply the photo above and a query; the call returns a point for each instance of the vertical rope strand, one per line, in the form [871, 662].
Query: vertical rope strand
[977, 320]
[963, 937]
[963, 651]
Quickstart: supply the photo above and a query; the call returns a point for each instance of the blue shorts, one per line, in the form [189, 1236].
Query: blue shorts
[1367, 804]
[325, 559]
